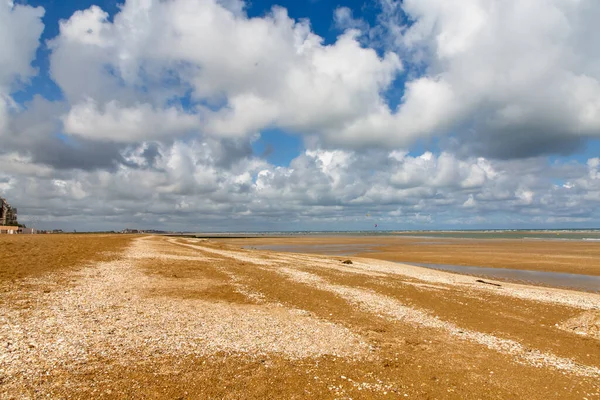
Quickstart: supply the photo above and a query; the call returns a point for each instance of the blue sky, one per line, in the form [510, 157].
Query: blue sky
[290, 115]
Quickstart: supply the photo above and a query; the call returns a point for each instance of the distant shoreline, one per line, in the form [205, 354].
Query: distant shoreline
[587, 234]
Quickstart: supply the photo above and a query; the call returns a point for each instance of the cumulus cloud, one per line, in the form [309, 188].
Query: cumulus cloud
[127, 124]
[344, 19]
[242, 74]
[163, 102]
[504, 79]
[510, 79]
[187, 186]
[20, 30]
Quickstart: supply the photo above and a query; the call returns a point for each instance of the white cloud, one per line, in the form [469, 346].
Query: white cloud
[344, 19]
[506, 78]
[519, 78]
[20, 30]
[4, 106]
[270, 71]
[127, 124]
[512, 77]
[187, 185]
[444, 170]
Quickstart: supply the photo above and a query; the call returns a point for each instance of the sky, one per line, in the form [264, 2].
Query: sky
[231, 115]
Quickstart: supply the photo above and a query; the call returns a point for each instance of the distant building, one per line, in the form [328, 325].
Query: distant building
[27, 231]
[10, 230]
[8, 215]
[127, 230]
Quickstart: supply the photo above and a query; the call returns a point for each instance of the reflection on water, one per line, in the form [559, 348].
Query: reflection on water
[330, 249]
[588, 283]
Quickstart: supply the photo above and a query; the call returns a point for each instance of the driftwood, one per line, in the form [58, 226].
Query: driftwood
[487, 283]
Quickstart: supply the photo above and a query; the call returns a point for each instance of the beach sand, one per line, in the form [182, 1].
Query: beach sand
[568, 256]
[124, 316]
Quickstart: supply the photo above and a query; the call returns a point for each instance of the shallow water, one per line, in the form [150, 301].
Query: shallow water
[565, 234]
[588, 283]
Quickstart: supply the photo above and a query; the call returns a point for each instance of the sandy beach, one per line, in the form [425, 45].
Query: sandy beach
[128, 316]
[566, 256]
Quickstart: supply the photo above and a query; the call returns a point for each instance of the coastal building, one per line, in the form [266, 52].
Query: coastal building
[10, 230]
[8, 215]
[128, 230]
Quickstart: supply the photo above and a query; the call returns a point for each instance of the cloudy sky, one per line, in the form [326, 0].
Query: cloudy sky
[206, 115]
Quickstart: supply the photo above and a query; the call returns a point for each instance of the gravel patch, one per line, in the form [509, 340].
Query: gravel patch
[385, 306]
[571, 298]
[585, 324]
[236, 255]
[107, 312]
[378, 268]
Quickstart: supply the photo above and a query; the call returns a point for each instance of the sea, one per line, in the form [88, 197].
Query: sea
[526, 234]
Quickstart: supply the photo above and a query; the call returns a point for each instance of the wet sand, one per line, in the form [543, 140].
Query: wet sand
[158, 317]
[574, 257]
